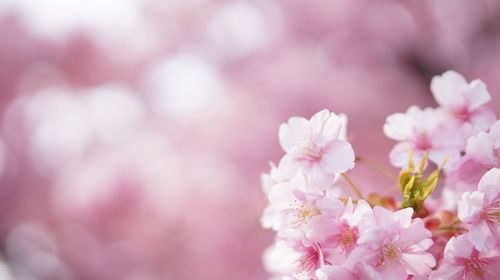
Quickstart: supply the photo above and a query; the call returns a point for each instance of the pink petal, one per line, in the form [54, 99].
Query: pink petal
[448, 272]
[292, 134]
[480, 147]
[418, 264]
[482, 237]
[334, 126]
[495, 134]
[470, 206]
[404, 216]
[446, 89]
[476, 94]
[329, 272]
[413, 235]
[458, 247]
[393, 271]
[399, 127]
[483, 118]
[400, 154]
[338, 157]
[362, 208]
[490, 184]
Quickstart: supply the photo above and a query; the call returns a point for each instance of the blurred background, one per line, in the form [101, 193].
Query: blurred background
[133, 133]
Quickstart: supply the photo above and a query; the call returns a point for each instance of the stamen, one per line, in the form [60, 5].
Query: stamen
[303, 212]
[308, 152]
[475, 266]
[388, 252]
[348, 237]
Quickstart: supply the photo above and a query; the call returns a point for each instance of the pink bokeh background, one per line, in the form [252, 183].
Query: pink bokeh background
[133, 133]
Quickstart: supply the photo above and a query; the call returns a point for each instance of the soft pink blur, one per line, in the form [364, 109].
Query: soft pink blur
[134, 133]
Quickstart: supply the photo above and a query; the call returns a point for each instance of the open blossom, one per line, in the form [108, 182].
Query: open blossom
[464, 262]
[322, 235]
[293, 210]
[481, 211]
[318, 146]
[341, 231]
[463, 102]
[299, 259]
[420, 131]
[396, 244]
[481, 154]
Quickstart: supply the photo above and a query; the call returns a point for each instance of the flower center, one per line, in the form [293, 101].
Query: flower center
[388, 252]
[461, 114]
[303, 213]
[422, 142]
[312, 259]
[348, 237]
[492, 213]
[475, 266]
[309, 152]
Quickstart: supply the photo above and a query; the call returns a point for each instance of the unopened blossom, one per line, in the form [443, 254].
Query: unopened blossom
[464, 262]
[317, 146]
[481, 211]
[397, 244]
[463, 102]
[420, 131]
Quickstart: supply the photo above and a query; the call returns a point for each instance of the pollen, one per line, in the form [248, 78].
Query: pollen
[303, 212]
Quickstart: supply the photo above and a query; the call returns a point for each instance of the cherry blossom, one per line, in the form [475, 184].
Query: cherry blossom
[297, 259]
[481, 211]
[446, 223]
[397, 243]
[463, 102]
[318, 146]
[420, 131]
[293, 210]
[463, 262]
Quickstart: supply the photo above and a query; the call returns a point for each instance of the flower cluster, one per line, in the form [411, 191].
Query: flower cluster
[323, 234]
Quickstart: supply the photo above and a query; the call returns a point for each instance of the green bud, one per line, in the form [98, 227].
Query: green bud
[414, 187]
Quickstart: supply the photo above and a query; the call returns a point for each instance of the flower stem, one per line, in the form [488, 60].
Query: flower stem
[378, 167]
[453, 228]
[351, 184]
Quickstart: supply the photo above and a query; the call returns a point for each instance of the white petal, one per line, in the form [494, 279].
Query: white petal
[476, 94]
[470, 206]
[446, 89]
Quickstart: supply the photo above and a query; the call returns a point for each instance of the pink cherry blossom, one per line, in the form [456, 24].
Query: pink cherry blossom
[422, 131]
[463, 262]
[318, 146]
[397, 244]
[463, 102]
[298, 259]
[481, 154]
[341, 231]
[481, 211]
[293, 210]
